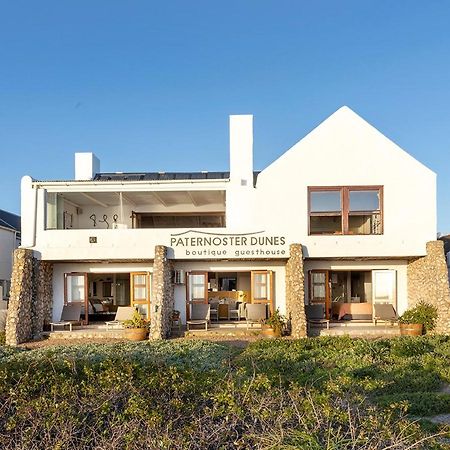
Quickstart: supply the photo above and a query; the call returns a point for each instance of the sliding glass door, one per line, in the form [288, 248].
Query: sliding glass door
[384, 286]
[197, 290]
[140, 292]
[262, 287]
[76, 292]
[319, 289]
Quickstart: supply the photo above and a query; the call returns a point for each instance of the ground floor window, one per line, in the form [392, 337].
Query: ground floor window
[101, 294]
[351, 293]
[227, 293]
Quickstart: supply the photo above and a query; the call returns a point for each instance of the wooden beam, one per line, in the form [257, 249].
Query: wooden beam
[158, 197]
[126, 198]
[70, 202]
[194, 202]
[93, 199]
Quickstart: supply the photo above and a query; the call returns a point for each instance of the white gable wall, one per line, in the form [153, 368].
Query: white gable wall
[347, 151]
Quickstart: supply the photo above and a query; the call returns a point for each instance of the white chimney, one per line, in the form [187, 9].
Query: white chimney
[241, 150]
[86, 166]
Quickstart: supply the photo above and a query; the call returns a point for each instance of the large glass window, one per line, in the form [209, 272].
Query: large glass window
[54, 211]
[155, 220]
[345, 210]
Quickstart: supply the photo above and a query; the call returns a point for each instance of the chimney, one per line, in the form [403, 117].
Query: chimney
[241, 150]
[86, 166]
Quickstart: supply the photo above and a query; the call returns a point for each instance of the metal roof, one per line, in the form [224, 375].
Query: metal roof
[9, 220]
[164, 176]
[160, 176]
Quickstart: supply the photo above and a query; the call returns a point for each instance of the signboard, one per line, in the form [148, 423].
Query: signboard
[200, 244]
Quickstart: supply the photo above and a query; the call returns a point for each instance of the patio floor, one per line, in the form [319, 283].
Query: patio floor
[92, 331]
[355, 329]
[232, 328]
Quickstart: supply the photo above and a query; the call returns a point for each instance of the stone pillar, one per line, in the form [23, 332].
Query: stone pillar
[19, 317]
[162, 299]
[44, 297]
[295, 291]
[428, 282]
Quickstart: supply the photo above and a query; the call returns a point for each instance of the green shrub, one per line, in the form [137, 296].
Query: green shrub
[420, 403]
[423, 313]
[281, 394]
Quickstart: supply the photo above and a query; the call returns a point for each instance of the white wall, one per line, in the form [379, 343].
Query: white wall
[7, 246]
[399, 266]
[344, 150]
[347, 151]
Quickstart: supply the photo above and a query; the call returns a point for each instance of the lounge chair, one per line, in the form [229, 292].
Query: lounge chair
[123, 313]
[70, 315]
[255, 313]
[315, 314]
[200, 315]
[384, 312]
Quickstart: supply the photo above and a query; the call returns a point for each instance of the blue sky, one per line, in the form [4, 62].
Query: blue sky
[149, 85]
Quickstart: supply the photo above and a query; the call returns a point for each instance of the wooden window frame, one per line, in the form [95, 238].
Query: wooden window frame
[345, 212]
[202, 300]
[327, 299]
[147, 285]
[269, 299]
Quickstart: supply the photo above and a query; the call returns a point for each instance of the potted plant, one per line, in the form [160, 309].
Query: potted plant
[136, 328]
[418, 320]
[274, 325]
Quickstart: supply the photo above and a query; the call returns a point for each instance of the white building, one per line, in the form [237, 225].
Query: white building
[9, 241]
[360, 206]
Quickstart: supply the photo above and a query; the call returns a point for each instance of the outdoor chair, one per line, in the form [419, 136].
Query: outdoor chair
[214, 309]
[123, 313]
[200, 315]
[315, 314]
[255, 313]
[70, 315]
[234, 311]
[384, 312]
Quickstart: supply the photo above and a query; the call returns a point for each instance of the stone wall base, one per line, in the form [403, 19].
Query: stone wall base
[30, 298]
[428, 282]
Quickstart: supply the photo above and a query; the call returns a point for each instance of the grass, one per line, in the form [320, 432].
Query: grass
[324, 393]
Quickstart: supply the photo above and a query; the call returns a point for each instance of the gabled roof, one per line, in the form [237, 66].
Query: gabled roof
[9, 220]
[342, 131]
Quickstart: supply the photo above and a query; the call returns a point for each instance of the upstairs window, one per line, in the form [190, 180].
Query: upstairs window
[162, 220]
[345, 210]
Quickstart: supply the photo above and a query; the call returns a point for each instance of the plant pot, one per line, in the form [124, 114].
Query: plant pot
[135, 334]
[268, 331]
[411, 329]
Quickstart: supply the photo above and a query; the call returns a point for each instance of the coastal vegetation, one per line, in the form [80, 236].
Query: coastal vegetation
[324, 393]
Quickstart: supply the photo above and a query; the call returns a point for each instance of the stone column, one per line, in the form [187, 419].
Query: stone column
[162, 299]
[428, 282]
[295, 291]
[44, 297]
[19, 317]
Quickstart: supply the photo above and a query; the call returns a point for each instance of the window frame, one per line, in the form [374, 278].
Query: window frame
[345, 209]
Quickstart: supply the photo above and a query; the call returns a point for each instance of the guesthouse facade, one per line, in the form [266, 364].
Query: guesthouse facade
[339, 219]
